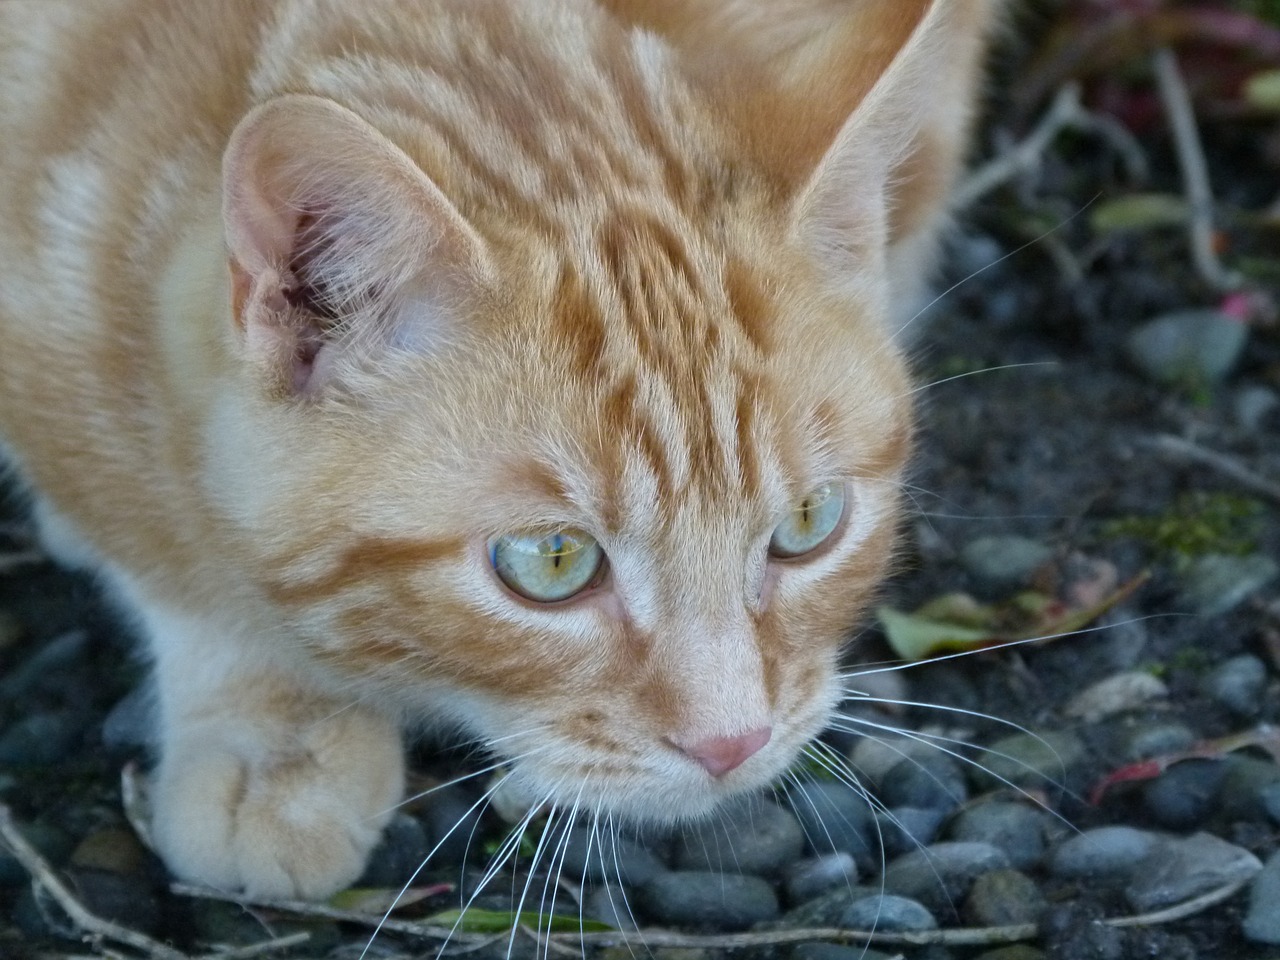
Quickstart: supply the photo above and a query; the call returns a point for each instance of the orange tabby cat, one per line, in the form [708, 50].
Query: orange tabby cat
[529, 363]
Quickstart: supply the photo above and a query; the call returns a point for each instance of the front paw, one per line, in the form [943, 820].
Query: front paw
[293, 820]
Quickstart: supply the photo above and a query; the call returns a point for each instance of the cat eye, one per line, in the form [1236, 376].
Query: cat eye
[547, 568]
[810, 523]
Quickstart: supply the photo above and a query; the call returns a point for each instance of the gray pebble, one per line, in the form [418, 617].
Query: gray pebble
[613, 859]
[1242, 792]
[836, 818]
[1179, 868]
[1102, 852]
[904, 829]
[1217, 583]
[939, 876]
[1254, 406]
[452, 820]
[1270, 796]
[398, 855]
[42, 739]
[932, 782]
[720, 901]
[612, 905]
[1029, 759]
[1146, 740]
[1015, 828]
[1187, 347]
[749, 837]
[1000, 564]
[809, 878]
[1004, 898]
[1238, 684]
[887, 913]
[1186, 794]
[1262, 921]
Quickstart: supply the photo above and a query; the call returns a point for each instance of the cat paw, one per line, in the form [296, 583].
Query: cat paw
[295, 822]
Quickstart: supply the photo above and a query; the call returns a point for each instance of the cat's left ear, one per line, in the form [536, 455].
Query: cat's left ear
[339, 244]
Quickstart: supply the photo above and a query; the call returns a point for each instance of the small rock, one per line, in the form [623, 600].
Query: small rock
[873, 757]
[1015, 828]
[748, 837]
[720, 901]
[1217, 583]
[1116, 694]
[1270, 796]
[932, 782]
[1242, 791]
[1002, 563]
[610, 904]
[609, 858]
[1179, 868]
[1146, 740]
[1004, 898]
[1262, 921]
[111, 849]
[1186, 793]
[1254, 406]
[1238, 684]
[904, 829]
[806, 879]
[939, 876]
[836, 819]
[1187, 347]
[451, 819]
[399, 854]
[1029, 759]
[834, 951]
[826, 909]
[1074, 931]
[887, 913]
[1102, 852]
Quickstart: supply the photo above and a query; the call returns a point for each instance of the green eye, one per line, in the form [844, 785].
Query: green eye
[809, 525]
[547, 568]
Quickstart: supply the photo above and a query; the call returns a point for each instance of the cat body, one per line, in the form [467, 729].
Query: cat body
[321, 320]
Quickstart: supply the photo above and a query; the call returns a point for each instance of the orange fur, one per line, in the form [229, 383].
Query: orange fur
[305, 301]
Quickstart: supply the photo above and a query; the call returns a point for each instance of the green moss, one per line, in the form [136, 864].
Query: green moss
[1197, 524]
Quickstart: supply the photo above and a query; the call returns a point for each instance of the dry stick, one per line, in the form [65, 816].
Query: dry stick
[1195, 170]
[96, 928]
[1180, 449]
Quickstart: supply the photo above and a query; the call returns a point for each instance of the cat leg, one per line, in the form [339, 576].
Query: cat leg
[265, 784]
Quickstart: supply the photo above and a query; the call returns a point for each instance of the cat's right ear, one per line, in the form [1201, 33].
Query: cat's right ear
[339, 245]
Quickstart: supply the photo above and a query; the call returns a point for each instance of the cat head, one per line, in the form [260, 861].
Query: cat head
[573, 409]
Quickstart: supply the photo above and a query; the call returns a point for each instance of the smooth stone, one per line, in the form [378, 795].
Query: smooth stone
[933, 782]
[999, 564]
[887, 913]
[1075, 931]
[904, 829]
[1117, 693]
[113, 849]
[836, 951]
[1262, 920]
[720, 901]
[609, 858]
[1156, 739]
[452, 821]
[834, 818]
[806, 879]
[399, 855]
[1015, 828]
[1179, 868]
[1254, 405]
[41, 739]
[1003, 898]
[1217, 583]
[117, 897]
[1238, 684]
[1102, 852]
[1187, 347]
[826, 909]
[1186, 794]
[612, 905]
[749, 837]
[939, 876]
[872, 757]
[1029, 760]
[1270, 796]
[1242, 791]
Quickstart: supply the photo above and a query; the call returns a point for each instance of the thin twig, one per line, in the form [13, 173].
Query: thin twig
[1195, 170]
[95, 927]
[1186, 450]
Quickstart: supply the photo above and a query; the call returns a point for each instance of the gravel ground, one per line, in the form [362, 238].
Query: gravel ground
[1096, 414]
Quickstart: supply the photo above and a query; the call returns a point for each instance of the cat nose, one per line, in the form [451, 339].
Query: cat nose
[719, 755]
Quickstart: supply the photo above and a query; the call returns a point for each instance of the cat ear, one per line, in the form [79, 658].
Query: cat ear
[850, 208]
[339, 244]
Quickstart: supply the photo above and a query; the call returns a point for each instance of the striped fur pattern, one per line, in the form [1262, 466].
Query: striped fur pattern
[303, 302]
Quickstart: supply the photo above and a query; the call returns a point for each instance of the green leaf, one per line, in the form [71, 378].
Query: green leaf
[378, 900]
[915, 637]
[1139, 211]
[500, 921]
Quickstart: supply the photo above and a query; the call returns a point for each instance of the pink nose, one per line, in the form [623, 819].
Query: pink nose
[719, 755]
